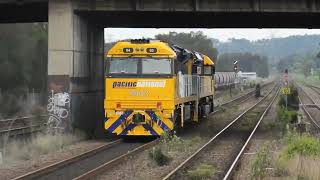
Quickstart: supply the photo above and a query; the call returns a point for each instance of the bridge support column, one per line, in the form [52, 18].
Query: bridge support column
[75, 68]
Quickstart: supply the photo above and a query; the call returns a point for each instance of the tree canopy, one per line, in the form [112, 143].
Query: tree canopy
[195, 41]
[23, 56]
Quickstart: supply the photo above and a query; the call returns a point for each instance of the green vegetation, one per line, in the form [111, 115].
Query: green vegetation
[23, 57]
[260, 163]
[275, 47]
[286, 117]
[23, 65]
[305, 145]
[300, 157]
[304, 64]
[157, 155]
[203, 171]
[195, 41]
[173, 143]
[292, 98]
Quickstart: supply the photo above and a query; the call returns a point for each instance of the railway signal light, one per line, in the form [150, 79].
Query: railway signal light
[235, 66]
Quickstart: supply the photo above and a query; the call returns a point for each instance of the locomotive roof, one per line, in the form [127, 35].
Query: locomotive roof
[141, 49]
[146, 48]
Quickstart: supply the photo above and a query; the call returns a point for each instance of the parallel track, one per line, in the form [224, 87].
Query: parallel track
[86, 164]
[21, 125]
[240, 99]
[309, 108]
[174, 174]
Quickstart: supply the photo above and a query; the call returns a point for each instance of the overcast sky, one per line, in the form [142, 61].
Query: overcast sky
[115, 34]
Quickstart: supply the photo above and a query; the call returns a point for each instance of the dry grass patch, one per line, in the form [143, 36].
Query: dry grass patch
[203, 171]
[16, 151]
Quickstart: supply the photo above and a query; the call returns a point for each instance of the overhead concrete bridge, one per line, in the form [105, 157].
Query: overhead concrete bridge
[76, 36]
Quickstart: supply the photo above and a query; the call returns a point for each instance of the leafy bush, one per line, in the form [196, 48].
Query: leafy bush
[261, 162]
[301, 145]
[287, 117]
[172, 142]
[203, 171]
[156, 154]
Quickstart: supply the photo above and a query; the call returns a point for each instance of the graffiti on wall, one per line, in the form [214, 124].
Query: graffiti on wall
[58, 110]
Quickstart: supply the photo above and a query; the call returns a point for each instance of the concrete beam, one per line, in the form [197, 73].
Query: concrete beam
[14, 12]
[202, 5]
[75, 65]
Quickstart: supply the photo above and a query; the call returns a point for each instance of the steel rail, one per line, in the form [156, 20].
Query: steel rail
[95, 172]
[173, 172]
[66, 162]
[22, 128]
[19, 129]
[236, 160]
[312, 100]
[104, 167]
[20, 118]
[314, 87]
[304, 107]
[307, 112]
[245, 96]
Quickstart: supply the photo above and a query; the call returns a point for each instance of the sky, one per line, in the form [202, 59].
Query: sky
[115, 34]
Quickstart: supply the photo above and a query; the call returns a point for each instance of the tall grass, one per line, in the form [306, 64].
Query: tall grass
[22, 150]
[203, 171]
[260, 163]
[300, 158]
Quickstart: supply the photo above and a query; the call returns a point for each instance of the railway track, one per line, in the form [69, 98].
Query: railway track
[22, 125]
[90, 163]
[97, 161]
[240, 99]
[315, 88]
[228, 144]
[106, 166]
[309, 105]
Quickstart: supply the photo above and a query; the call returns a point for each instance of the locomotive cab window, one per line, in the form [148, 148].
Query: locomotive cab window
[123, 66]
[156, 66]
[207, 70]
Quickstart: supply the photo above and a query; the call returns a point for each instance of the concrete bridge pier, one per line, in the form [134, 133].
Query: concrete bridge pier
[75, 68]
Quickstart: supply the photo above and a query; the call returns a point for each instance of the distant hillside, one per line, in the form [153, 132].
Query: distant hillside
[276, 47]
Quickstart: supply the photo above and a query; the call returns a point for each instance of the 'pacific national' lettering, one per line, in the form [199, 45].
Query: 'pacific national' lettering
[119, 84]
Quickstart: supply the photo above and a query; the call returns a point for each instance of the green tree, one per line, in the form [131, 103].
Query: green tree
[195, 41]
[23, 56]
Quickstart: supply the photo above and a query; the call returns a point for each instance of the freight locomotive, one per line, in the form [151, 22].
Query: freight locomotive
[153, 87]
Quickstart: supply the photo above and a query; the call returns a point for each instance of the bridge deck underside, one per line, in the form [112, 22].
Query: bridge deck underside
[175, 13]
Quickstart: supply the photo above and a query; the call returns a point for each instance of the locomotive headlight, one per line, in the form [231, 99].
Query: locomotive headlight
[111, 113]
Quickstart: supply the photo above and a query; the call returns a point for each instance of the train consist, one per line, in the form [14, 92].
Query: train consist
[224, 79]
[153, 87]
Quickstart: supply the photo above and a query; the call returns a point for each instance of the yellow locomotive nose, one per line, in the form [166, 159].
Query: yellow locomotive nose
[138, 122]
[138, 118]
